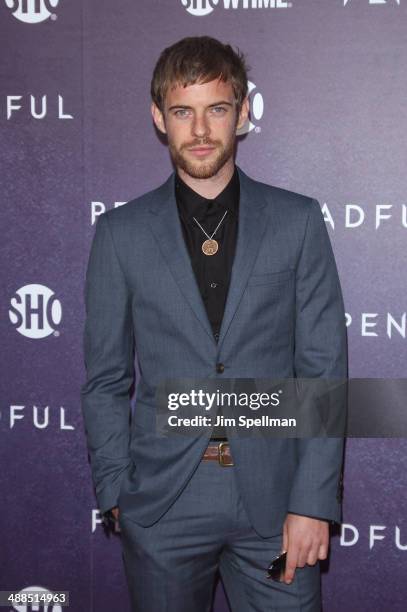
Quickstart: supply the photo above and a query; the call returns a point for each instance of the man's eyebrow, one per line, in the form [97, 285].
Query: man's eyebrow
[221, 103]
[184, 106]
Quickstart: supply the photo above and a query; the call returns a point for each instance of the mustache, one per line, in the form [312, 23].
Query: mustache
[203, 142]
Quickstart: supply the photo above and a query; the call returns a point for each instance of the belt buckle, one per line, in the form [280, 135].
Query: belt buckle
[221, 457]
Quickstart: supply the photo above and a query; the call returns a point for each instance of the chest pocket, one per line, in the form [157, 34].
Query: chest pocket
[270, 278]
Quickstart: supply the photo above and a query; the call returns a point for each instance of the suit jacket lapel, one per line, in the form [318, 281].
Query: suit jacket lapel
[251, 229]
[166, 227]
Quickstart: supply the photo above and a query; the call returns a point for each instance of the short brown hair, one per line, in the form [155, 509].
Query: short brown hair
[199, 59]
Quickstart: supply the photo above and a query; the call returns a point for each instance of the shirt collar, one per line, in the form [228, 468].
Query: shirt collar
[192, 204]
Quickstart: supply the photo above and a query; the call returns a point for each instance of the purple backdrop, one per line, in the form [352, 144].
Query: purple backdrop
[329, 119]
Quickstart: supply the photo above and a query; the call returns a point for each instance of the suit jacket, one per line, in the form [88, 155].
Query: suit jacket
[284, 317]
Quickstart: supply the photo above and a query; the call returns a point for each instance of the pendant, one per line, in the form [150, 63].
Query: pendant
[210, 247]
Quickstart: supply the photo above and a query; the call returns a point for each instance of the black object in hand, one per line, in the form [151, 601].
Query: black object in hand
[276, 569]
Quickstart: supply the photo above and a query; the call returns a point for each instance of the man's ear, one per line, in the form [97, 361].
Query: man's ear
[244, 113]
[158, 118]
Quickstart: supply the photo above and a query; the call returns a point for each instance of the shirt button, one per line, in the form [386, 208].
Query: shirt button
[220, 368]
[216, 335]
[213, 285]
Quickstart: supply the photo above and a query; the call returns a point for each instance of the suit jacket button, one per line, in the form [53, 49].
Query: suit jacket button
[220, 368]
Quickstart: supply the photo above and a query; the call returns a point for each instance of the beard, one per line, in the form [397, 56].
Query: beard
[203, 169]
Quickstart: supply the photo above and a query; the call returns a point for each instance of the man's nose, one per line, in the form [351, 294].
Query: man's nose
[200, 127]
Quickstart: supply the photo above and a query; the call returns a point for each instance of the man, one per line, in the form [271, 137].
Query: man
[211, 275]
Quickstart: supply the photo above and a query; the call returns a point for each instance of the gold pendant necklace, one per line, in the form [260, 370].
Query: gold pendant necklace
[210, 246]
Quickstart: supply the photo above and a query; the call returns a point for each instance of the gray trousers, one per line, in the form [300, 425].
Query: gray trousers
[171, 566]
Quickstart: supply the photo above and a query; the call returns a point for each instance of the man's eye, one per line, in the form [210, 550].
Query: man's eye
[219, 110]
[182, 112]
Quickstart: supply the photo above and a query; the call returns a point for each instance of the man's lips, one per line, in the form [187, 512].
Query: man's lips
[200, 151]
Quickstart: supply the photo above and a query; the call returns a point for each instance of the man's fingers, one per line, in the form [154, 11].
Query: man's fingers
[304, 551]
[302, 558]
[291, 564]
[306, 541]
[317, 554]
[313, 556]
[285, 538]
[323, 551]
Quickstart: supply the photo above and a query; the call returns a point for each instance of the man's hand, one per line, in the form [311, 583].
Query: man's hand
[306, 540]
[115, 512]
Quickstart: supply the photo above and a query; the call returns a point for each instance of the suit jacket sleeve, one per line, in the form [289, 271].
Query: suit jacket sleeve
[320, 351]
[109, 361]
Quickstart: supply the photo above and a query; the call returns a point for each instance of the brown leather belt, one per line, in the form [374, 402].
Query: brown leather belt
[219, 452]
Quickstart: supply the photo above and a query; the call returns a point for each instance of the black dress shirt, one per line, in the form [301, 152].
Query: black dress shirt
[212, 272]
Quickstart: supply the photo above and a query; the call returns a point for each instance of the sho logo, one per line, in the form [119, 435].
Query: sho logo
[35, 311]
[32, 11]
[199, 8]
[345, 2]
[43, 596]
[256, 110]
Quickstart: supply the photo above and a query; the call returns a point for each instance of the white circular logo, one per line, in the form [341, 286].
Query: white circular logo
[35, 311]
[256, 110]
[23, 607]
[199, 7]
[32, 11]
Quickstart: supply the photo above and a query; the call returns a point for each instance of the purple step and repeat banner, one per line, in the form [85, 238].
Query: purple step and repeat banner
[328, 118]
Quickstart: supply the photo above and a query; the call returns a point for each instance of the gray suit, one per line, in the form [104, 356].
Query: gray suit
[284, 317]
